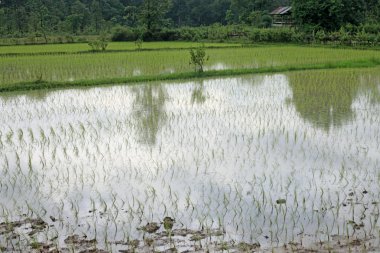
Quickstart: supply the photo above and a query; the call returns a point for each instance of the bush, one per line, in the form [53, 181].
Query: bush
[217, 32]
[139, 44]
[282, 35]
[362, 37]
[272, 35]
[344, 37]
[254, 35]
[69, 39]
[169, 35]
[123, 34]
[198, 58]
[60, 40]
[298, 37]
[98, 45]
[193, 34]
[371, 28]
[320, 36]
[266, 21]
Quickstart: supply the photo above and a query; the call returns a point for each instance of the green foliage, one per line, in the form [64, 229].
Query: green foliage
[350, 35]
[99, 45]
[217, 32]
[252, 12]
[120, 33]
[198, 58]
[266, 21]
[328, 14]
[152, 14]
[167, 19]
[272, 35]
[139, 44]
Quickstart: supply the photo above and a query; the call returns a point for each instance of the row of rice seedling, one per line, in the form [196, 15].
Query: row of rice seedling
[112, 46]
[119, 65]
[235, 155]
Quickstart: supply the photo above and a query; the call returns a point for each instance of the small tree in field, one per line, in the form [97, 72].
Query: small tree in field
[139, 44]
[198, 58]
[99, 45]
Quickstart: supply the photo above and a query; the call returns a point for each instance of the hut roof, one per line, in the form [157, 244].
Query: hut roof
[281, 10]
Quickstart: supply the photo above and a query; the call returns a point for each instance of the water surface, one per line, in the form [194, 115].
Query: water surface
[215, 153]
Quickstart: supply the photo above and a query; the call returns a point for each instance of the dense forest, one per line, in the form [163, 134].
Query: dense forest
[25, 17]
[93, 16]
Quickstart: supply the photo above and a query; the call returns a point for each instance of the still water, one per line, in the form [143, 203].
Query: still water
[269, 159]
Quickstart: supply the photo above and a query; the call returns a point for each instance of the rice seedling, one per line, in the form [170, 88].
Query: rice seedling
[109, 67]
[259, 162]
[113, 46]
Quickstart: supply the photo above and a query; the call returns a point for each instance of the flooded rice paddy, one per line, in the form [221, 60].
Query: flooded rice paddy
[100, 66]
[285, 162]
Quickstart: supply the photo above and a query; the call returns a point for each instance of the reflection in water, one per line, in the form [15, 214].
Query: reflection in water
[324, 98]
[136, 72]
[372, 85]
[80, 156]
[36, 95]
[149, 111]
[198, 96]
[217, 66]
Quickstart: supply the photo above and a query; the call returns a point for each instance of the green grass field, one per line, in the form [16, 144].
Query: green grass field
[153, 64]
[113, 46]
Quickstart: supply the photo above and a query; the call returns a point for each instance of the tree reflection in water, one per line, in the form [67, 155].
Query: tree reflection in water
[149, 111]
[325, 98]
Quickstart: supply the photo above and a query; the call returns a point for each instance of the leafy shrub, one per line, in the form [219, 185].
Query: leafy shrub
[266, 21]
[98, 45]
[139, 44]
[198, 58]
[69, 39]
[371, 28]
[169, 35]
[217, 32]
[272, 35]
[320, 36]
[123, 34]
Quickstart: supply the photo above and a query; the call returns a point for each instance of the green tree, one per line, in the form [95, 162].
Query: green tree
[2, 21]
[131, 15]
[153, 14]
[198, 58]
[247, 11]
[97, 15]
[180, 12]
[328, 14]
[39, 17]
[44, 17]
[372, 11]
[240, 10]
[79, 17]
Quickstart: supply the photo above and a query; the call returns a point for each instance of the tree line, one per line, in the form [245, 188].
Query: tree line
[25, 17]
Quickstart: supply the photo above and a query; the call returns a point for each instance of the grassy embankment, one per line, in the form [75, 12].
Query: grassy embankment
[163, 61]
